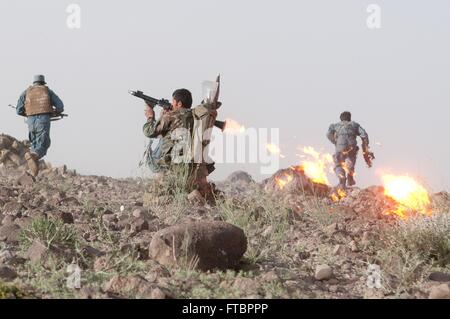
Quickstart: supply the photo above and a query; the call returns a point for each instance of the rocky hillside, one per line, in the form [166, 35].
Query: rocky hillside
[64, 235]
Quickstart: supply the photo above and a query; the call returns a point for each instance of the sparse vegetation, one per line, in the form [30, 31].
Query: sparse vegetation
[289, 235]
[49, 231]
[413, 247]
[265, 222]
[10, 292]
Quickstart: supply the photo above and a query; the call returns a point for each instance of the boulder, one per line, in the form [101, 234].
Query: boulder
[240, 177]
[207, 245]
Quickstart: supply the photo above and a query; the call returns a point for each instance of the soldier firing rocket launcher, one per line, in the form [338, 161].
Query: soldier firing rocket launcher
[167, 106]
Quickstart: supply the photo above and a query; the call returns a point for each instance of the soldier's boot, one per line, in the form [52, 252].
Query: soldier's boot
[350, 181]
[33, 163]
[341, 184]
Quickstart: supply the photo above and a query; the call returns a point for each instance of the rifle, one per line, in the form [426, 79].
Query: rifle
[368, 155]
[167, 106]
[53, 117]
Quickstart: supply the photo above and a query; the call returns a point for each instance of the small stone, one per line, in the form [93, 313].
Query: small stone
[323, 272]
[67, 218]
[134, 285]
[109, 219]
[92, 252]
[339, 250]
[333, 289]
[140, 212]
[12, 208]
[333, 281]
[6, 256]
[8, 220]
[353, 246]
[440, 292]
[157, 293]
[139, 225]
[246, 284]
[23, 222]
[10, 233]
[439, 276]
[37, 252]
[7, 274]
[25, 180]
[270, 276]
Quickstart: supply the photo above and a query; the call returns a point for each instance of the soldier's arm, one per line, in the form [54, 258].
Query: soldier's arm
[363, 134]
[153, 129]
[20, 108]
[56, 102]
[331, 134]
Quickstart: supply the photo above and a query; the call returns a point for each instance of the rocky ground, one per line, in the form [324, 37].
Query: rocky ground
[136, 238]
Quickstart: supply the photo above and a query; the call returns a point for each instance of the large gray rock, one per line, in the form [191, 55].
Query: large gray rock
[240, 177]
[207, 245]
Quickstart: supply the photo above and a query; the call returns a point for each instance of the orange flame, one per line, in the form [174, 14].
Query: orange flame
[233, 127]
[409, 195]
[338, 195]
[316, 167]
[283, 181]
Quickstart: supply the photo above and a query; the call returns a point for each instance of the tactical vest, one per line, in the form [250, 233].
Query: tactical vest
[38, 100]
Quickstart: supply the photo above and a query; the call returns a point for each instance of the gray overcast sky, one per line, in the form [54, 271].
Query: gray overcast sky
[293, 65]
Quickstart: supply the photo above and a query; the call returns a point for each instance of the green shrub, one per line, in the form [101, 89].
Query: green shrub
[49, 231]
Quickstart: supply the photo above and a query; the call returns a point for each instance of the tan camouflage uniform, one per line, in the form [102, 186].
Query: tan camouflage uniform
[172, 128]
